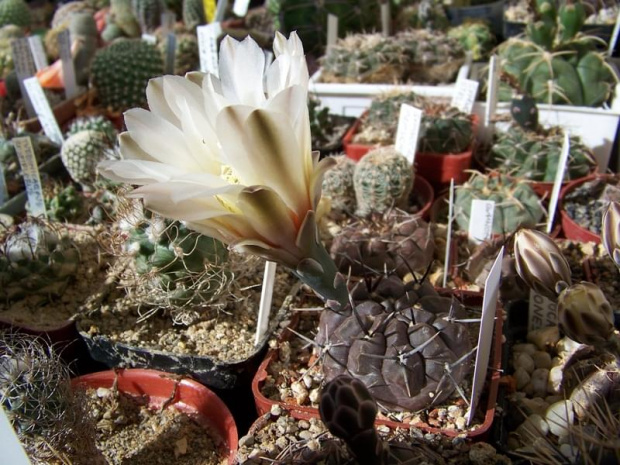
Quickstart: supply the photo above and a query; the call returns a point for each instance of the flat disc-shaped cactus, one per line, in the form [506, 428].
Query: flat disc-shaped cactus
[400, 340]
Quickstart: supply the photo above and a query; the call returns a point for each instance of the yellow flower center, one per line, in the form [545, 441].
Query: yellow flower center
[227, 173]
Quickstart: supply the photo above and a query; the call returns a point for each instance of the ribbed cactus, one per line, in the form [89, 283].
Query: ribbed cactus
[96, 123]
[148, 13]
[476, 37]
[36, 260]
[400, 340]
[193, 14]
[445, 129]
[186, 56]
[15, 12]
[383, 179]
[121, 71]
[176, 268]
[63, 204]
[81, 153]
[338, 185]
[396, 242]
[516, 203]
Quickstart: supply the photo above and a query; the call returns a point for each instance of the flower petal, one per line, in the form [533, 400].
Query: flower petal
[138, 171]
[155, 96]
[241, 66]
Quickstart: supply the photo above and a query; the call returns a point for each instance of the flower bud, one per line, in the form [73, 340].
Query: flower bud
[540, 263]
[585, 315]
[610, 234]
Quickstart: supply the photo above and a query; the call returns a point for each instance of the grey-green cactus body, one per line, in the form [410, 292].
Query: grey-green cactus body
[338, 185]
[82, 152]
[15, 12]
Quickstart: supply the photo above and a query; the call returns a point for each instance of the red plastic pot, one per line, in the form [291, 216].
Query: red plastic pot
[190, 397]
[423, 191]
[263, 404]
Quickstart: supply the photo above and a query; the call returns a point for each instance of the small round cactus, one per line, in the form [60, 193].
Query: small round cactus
[383, 179]
[15, 12]
[338, 185]
[82, 152]
[445, 130]
[97, 123]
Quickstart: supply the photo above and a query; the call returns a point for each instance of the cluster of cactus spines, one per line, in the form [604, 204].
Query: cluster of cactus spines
[426, 14]
[535, 155]
[176, 269]
[7, 34]
[555, 63]
[97, 123]
[476, 37]
[400, 340]
[383, 179]
[35, 392]
[35, 259]
[365, 58]
[338, 185]
[148, 13]
[121, 21]
[82, 152]
[63, 204]
[379, 126]
[120, 72]
[15, 12]
[445, 129]
[193, 14]
[516, 203]
[396, 243]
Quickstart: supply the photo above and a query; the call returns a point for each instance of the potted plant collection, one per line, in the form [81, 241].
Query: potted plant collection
[297, 216]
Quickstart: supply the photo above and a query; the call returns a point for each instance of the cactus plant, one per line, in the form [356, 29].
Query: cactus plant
[396, 242]
[383, 179]
[15, 12]
[476, 37]
[338, 185]
[36, 260]
[193, 14]
[425, 14]
[186, 57]
[81, 153]
[148, 13]
[516, 204]
[96, 123]
[400, 340]
[121, 71]
[63, 204]
[445, 129]
[555, 63]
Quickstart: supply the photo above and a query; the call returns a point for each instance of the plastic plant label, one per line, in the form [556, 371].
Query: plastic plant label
[171, 46]
[30, 172]
[332, 29]
[465, 95]
[68, 70]
[24, 68]
[266, 296]
[408, 131]
[557, 184]
[149, 38]
[481, 220]
[614, 36]
[38, 52]
[492, 89]
[209, 9]
[168, 19]
[485, 336]
[220, 11]
[43, 110]
[386, 18]
[446, 262]
[4, 193]
[542, 312]
[207, 47]
[240, 7]
[12, 450]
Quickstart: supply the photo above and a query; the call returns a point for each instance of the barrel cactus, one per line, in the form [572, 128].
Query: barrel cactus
[36, 260]
[383, 179]
[475, 37]
[15, 12]
[396, 242]
[400, 340]
[121, 71]
[193, 14]
[186, 57]
[445, 129]
[148, 13]
[81, 153]
[96, 123]
[338, 185]
[516, 203]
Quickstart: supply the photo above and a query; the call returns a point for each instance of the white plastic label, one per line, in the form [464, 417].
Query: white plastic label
[68, 70]
[220, 11]
[557, 184]
[207, 46]
[481, 220]
[492, 88]
[465, 95]
[240, 7]
[446, 267]
[332, 29]
[12, 450]
[266, 296]
[30, 172]
[386, 18]
[4, 193]
[408, 131]
[542, 312]
[24, 68]
[43, 110]
[171, 46]
[149, 38]
[38, 52]
[485, 337]
[614, 36]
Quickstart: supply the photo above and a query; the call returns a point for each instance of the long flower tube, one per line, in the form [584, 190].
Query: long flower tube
[232, 158]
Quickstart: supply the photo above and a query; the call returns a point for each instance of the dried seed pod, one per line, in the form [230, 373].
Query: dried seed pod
[540, 263]
[610, 233]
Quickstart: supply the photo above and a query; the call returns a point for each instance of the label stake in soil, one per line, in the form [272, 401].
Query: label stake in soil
[24, 68]
[493, 81]
[264, 308]
[557, 184]
[12, 450]
[43, 110]
[332, 29]
[207, 47]
[446, 262]
[485, 337]
[4, 193]
[38, 52]
[68, 70]
[28, 163]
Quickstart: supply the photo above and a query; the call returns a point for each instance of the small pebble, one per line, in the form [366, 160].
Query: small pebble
[542, 359]
[539, 382]
[544, 337]
[522, 378]
[276, 410]
[560, 416]
[524, 347]
[525, 361]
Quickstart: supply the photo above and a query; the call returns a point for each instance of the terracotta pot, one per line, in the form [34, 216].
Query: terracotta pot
[190, 397]
[423, 191]
[263, 404]
[572, 229]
